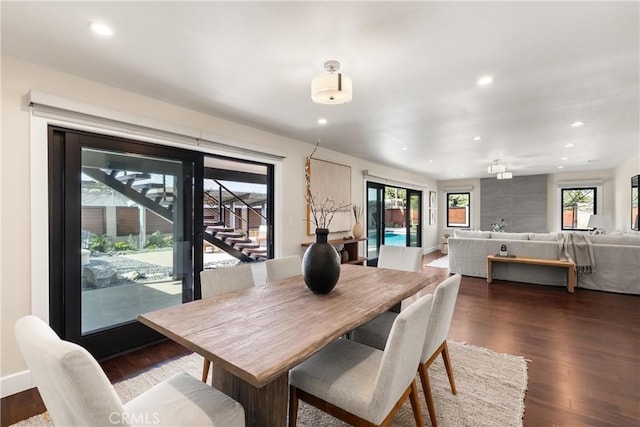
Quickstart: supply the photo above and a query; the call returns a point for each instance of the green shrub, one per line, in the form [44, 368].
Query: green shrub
[133, 242]
[158, 240]
[122, 246]
[100, 243]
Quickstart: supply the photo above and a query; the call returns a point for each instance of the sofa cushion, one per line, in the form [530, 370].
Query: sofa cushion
[509, 236]
[544, 237]
[624, 239]
[469, 234]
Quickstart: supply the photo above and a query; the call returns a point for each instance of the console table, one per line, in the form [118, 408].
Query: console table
[350, 245]
[570, 266]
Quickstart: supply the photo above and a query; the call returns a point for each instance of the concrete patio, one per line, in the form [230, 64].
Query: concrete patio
[108, 306]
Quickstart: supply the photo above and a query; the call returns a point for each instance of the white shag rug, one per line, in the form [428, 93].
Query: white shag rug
[442, 262]
[491, 390]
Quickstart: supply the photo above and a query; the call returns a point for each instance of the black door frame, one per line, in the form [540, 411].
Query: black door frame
[419, 235]
[380, 215]
[64, 235]
[377, 217]
[229, 175]
[269, 180]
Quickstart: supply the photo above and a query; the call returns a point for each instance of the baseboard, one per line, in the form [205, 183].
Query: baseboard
[431, 249]
[15, 383]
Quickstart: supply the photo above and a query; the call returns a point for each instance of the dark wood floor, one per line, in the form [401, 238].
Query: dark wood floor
[584, 351]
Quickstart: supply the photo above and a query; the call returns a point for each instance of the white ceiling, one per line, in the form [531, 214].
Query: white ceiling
[414, 67]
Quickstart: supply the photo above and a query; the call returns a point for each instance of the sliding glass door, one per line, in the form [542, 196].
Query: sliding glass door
[238, 198]
[414, 218]
[121, 236]
[394, 218]
[375, 221]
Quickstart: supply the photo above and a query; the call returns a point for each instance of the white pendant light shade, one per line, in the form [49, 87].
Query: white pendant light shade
[505, 175]
[332, 87]
[497, 168]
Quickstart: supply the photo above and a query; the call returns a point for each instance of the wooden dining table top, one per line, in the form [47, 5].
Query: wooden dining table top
[260, 333]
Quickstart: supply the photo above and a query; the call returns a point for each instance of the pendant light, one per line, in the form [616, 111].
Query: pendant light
[331, 87]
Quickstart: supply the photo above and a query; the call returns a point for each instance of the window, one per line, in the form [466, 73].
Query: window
[458, 208]
[578, 204]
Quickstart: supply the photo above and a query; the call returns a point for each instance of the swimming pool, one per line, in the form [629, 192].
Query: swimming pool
[393, 239]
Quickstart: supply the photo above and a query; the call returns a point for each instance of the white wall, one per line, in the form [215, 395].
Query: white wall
[19, 77]
[622, 199]
[553, 195]
[471, 185]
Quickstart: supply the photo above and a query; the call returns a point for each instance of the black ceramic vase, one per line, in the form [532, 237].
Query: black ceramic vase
[321, 264]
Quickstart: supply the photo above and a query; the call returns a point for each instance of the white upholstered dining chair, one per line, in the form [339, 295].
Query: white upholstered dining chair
[77, 392]
[218, 281]
[362, 385]
[400, 258]
[282, 268]
[375, 333]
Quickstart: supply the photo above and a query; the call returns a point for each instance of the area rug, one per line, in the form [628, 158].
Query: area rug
[439, 263]
[491, 389]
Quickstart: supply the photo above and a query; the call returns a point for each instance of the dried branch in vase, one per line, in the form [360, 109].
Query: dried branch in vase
[357, 213]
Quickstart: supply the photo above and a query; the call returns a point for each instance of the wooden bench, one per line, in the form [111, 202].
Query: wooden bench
[570, 266]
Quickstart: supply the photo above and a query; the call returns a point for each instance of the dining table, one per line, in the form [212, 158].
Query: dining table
[255, 336]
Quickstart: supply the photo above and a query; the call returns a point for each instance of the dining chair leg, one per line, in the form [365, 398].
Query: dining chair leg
[205, 370]
[426, 388]
[449, 367]
[293, 406]
[415, 404]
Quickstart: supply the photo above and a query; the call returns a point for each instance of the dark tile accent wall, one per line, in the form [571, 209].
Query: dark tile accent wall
[521, 201]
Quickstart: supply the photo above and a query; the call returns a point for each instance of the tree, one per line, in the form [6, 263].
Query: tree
[458, 200]
[396, 195]
[577, 199]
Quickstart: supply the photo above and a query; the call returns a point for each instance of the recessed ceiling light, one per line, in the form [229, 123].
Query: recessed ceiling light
[404, 148]
[430, 161]
[577, 124]
[564, 158]
[569, 145]
[101, 29]
[477, 138]
[322, 121]
[485, 80]
[560, 167]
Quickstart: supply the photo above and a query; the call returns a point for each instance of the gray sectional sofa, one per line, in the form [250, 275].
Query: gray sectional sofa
[617, 259]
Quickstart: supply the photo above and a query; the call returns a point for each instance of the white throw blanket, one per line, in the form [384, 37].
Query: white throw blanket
[577, 248]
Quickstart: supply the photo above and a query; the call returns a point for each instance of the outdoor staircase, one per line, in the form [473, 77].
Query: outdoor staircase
[138, 187]
[158, 198]
[220, 234]
[235, 244]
